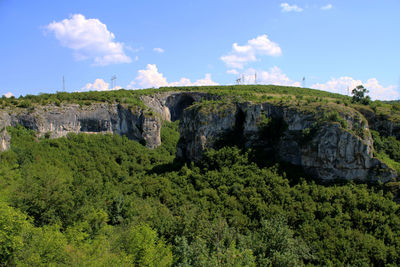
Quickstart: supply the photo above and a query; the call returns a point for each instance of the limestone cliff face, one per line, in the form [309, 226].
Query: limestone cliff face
[4, 136]
[171, 105]
[141, 124]
[200, 129]
[96, 118]
[382, 123]
[324, 150]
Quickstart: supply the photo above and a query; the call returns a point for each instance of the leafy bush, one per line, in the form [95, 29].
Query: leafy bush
[104, 200]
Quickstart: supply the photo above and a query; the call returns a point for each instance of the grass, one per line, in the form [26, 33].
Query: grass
[305, 100]
[388, 161]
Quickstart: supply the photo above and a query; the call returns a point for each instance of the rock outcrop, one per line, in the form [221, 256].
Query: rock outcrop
[381, 123]
[72, 118]
[4, 136]
[141, 124]
[324, 149]
[171, 105]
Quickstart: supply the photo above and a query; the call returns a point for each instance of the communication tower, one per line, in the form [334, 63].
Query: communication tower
[113, 81]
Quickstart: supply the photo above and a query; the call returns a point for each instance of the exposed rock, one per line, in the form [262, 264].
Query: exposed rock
[330, 152]
[200, 129]
[170, 105]
[138, 124]
[96, 118]
[381, 123]
[325, 150]
[4, 136]
[336, 153]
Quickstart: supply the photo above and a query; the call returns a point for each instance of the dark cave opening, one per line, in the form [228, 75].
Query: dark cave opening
[178, 104]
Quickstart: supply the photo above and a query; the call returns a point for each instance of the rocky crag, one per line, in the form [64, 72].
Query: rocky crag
[71, 118]
[142, 124]
[325, 149]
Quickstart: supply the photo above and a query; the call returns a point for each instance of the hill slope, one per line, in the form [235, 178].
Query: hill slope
[105, 199]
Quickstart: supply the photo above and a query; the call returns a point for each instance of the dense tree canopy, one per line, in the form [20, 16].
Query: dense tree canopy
[104, 200]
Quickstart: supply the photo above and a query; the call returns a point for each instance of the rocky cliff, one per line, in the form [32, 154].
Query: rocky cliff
[138, 123]
[171, 105]
[71, 118]
[381, 123]
[324, 149]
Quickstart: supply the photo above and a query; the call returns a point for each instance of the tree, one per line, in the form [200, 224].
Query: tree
[359, 95]
[13, 227]
[143, 247]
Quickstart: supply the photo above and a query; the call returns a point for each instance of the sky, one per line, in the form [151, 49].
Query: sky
[322, 44]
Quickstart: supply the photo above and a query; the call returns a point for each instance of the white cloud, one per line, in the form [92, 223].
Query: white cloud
[99, 85]
[233, 71]
[206, 81]
[149, 77]
[343, 84]
[186, 82]
[273, 76]
[327, 7]
[152, 78]
[241, 55]
[89, 39]
[158, 50]
[290, 8]
[8, 95]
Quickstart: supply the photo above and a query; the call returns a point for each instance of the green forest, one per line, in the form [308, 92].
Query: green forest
[105, 200]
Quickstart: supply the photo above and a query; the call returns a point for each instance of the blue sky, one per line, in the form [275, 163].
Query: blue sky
[335, 45]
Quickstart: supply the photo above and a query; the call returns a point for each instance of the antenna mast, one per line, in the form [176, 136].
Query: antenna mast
[255, 77]
[113, 81]
[304, 82]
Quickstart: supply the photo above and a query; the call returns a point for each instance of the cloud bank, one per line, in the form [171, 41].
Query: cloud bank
[243, 54]
[99, 85]
[150, 77]
[344, 85]
[89, 39]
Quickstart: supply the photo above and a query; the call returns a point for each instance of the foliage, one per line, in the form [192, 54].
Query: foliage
[275, 244]
[387, 150]
[104, 200]
[359, 95]
[143, 247]
[13, 227]
[133, 97]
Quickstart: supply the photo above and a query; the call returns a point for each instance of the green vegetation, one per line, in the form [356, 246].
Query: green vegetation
[104, 200]
[82, 98]
[387, 149]
[243, 92]
[294, 96]
[304, 99]
[359, 95]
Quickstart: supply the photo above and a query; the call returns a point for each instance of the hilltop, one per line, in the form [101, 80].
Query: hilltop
[197, 176]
